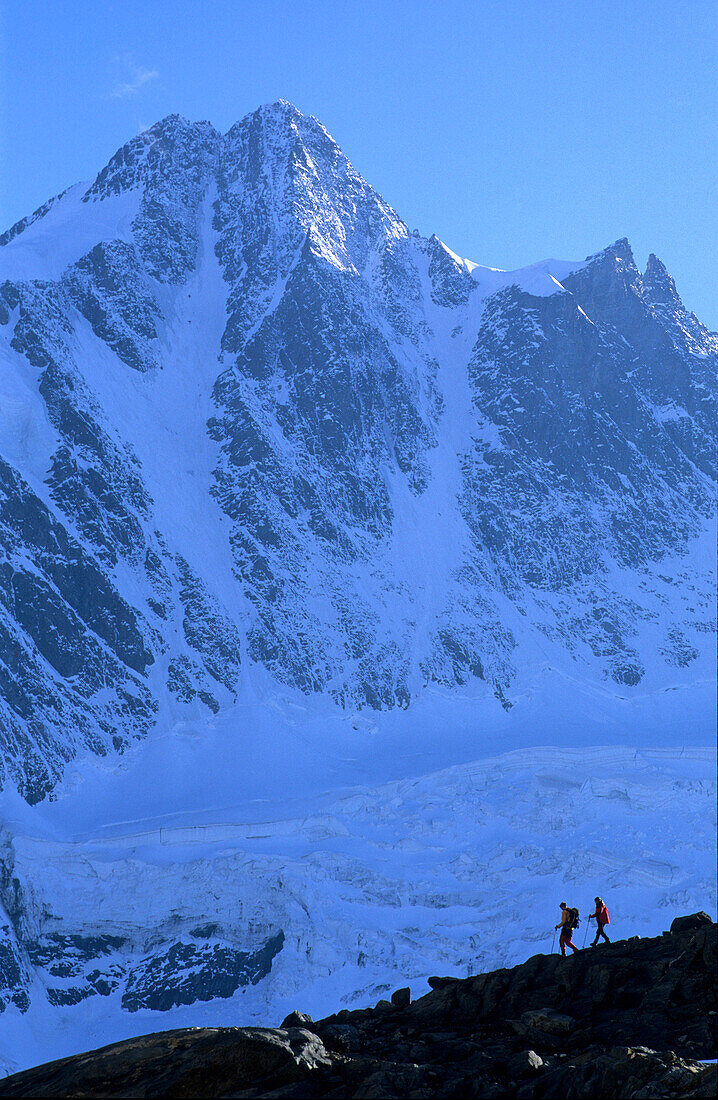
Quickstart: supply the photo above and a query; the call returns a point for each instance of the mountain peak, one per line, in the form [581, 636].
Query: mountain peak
[170, 141]
[282, 125]
[175, 124]
[282, 107]
[619, 251]
[659, 284]
[621, 247]
[281, 112]
[170, 121]
[278, 156]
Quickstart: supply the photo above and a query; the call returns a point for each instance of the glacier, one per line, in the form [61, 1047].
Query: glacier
[366, 585]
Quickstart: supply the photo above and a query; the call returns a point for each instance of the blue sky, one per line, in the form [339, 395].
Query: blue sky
[514, 129]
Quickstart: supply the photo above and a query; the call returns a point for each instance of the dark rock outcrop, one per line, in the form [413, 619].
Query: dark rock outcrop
[629, 1019]
[186, 1062]
[691, 922]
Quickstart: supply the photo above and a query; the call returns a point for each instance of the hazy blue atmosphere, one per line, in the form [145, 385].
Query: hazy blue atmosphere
[514, 131]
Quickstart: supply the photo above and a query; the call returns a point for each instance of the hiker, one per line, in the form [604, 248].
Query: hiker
[569, 921]
[602, 919]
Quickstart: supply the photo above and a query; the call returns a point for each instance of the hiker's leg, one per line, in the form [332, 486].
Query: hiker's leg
[562, 945]
[573, 947]
[602, 932]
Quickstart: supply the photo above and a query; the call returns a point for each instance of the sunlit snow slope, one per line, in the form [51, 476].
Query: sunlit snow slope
[294, 501]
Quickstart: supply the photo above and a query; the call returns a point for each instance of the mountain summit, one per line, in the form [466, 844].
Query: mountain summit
[254, 431]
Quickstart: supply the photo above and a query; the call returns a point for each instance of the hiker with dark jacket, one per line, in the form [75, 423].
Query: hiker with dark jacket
[569, 921]
[602, 919]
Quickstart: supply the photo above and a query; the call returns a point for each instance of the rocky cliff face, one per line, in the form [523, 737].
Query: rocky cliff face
[629, 1019]
[251, 422]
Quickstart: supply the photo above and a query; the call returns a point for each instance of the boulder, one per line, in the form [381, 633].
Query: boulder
[185, 1062]
[525, 1064]
[691, 923]
[342, 1037]
[297, 1019]
[547, 1021]
[441, 983]
[394, 1081]
[626, 1072]
[547, 1029]
[400, 998]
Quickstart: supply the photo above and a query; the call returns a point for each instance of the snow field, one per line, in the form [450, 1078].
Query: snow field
[455, 872]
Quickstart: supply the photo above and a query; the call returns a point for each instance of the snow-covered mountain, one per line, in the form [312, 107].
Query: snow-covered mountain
[250, 419]
[294, 499]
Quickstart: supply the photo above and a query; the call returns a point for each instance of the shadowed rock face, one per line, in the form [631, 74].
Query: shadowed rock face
[227, 1059]
[111, 289]
[629, 1019]
[241, 322]
[200, 966]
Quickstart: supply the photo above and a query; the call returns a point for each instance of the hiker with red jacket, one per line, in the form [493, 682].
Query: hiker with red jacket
[569, 921]
[602, 919]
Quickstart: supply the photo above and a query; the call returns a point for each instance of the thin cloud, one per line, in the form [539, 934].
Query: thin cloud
[140, 77]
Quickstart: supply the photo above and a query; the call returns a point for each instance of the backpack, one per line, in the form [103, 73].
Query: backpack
[603, 917]
[573, 918]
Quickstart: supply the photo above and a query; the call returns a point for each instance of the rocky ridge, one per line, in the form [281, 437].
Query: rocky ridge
[633, 1018]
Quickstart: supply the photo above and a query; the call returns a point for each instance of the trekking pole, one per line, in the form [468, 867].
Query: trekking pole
[585, 935]
[553, 941]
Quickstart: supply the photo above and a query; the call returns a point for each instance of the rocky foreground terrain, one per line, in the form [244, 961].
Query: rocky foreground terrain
[629, 1019]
